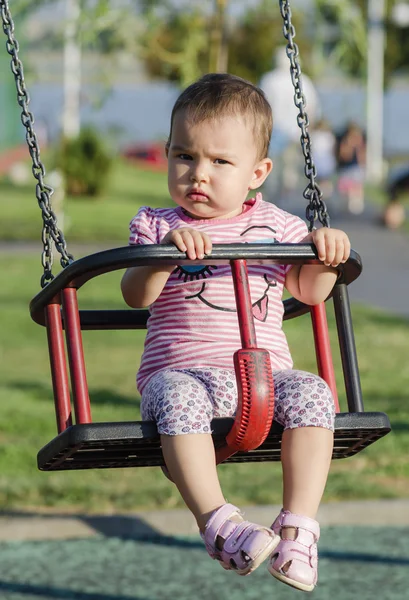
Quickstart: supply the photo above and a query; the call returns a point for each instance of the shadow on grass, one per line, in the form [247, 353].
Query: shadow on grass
[399, 428]
[7, 186]
[364, 558]
[396, 403]
[60, 593]
[9, 299]
[100, 397]
[103, 397]
[376, 317]
[136, 529]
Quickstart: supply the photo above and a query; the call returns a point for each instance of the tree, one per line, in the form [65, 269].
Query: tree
[254, 39]
[182, 43]
[23, 7]
[174, 44]
[346, 41]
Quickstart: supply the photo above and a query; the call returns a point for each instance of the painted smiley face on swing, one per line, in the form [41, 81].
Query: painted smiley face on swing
[197, 272]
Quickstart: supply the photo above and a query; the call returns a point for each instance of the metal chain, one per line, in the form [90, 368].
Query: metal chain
[316, 208]
[50, 232]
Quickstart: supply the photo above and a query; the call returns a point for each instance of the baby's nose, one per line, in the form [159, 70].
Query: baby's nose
[198, 174]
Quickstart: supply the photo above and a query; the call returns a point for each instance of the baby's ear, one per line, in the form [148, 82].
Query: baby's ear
[260, 173]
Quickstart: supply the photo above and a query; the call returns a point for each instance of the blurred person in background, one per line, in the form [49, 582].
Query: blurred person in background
[351, 158]
[324, 153]
[397, 187]
[284, 147]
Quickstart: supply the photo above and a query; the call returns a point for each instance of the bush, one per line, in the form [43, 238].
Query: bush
[85, 163]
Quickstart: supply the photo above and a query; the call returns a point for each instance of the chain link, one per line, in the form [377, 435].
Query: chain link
[316, 208]
[50, 231]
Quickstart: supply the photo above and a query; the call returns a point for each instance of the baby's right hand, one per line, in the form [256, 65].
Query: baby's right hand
[195, 243]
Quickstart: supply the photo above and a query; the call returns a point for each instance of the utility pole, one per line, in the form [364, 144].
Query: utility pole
[218, 53]
[375, 90]
[72, 90]
[71, 70]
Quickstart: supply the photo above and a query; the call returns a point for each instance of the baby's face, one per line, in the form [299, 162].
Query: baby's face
[212, 165]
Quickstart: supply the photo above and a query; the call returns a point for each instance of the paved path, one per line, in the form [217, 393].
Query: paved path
[384, 281]
[19, 526]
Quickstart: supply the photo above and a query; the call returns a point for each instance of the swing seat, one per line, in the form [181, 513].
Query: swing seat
[87, 445]
[137, 444]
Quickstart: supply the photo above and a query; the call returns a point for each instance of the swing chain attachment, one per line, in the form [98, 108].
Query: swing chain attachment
[316, 208]
[50, 232]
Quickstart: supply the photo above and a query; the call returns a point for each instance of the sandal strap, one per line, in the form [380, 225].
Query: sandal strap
[245, 544]
[219, 526]
[305, 526]
[242, 538]
[289, 550]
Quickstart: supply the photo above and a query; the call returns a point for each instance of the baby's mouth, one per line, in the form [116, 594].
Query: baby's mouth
[198, 196]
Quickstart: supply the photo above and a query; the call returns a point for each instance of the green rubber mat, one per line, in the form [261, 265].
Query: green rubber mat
[356, 563]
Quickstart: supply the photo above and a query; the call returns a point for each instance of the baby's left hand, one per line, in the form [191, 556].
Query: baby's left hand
[333, 245]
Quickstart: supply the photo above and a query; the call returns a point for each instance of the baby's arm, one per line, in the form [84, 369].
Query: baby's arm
[312, 284]
[142, 285]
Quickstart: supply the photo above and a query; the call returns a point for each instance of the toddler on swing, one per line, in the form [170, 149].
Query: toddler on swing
[217, 152]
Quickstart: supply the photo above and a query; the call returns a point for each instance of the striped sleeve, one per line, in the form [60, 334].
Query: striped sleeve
[144, 227]
[295, 230]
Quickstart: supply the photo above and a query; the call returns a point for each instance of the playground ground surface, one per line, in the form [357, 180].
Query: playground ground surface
[364, 554]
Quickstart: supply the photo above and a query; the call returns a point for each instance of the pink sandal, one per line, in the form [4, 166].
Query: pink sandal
[245, 545]
[299, 555]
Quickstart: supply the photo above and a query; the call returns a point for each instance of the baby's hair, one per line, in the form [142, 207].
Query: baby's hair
[219, 94]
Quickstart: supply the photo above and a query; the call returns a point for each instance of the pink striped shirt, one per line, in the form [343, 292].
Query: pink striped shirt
[193, 323]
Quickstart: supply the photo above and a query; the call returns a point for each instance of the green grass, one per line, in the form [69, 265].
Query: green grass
[27, 419]
[105, 218]
[26, 409]
[85, 219]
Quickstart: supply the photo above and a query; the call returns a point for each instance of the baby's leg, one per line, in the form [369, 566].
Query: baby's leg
[183, 404]
[305, 457]
[305, 407]
[182, 408]
[190, 460]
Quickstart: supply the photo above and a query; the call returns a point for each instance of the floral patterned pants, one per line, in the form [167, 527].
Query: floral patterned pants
[186, 400]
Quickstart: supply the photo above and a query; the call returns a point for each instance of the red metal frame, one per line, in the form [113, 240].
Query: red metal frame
[81, 400]
[323, 349]
[243, 302]
[82, 406]
[58, 363]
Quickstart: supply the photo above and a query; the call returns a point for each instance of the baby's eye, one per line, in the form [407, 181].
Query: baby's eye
[221, 161]
[183, 156]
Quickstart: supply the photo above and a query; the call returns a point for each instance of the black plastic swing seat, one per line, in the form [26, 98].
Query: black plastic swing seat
[137, 444]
